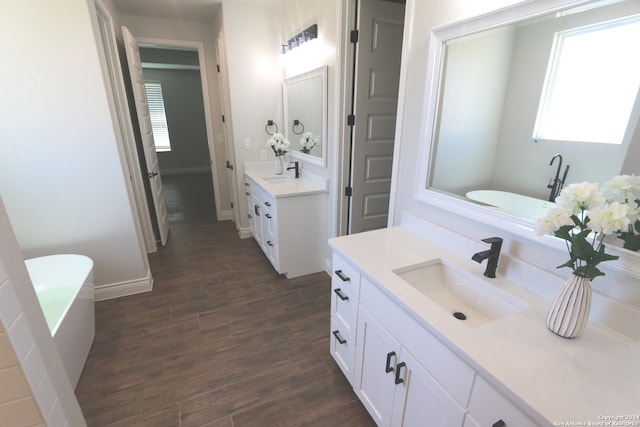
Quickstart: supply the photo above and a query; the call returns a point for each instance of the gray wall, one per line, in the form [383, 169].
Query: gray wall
[184, 108]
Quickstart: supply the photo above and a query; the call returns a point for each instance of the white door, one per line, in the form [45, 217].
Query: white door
[380, 28]
[144, 121]
[419, 399]
[377, 354]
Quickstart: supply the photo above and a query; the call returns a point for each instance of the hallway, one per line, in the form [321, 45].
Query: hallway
[222, 340]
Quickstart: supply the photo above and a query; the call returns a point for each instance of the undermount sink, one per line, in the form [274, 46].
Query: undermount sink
[275, 179]
[468, 298]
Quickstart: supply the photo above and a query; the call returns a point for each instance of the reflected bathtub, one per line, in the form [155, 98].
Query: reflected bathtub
[512, 203]
[64, 286]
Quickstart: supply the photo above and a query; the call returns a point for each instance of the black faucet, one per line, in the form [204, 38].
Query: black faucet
[556, 183]
[492, 255]
[296, 166]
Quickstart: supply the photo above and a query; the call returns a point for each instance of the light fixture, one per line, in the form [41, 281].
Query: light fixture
[300, 38]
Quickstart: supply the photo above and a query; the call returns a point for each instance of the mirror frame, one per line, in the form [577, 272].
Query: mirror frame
[629, 261]
[308, 158]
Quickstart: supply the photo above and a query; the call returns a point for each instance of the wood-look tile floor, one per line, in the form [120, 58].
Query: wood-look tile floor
[222, 340]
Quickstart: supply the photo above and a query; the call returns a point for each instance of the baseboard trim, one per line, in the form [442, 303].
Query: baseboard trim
[225, 216]
[245, 233]
[123, 289]
[185, 171]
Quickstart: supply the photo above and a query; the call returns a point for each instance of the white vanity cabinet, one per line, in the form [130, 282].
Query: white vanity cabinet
[403, 374]
[290, 226]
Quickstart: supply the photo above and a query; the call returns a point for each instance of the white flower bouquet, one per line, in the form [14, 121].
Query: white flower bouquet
[582, 217]
[308, 141]
[625, 189]
[278, 144]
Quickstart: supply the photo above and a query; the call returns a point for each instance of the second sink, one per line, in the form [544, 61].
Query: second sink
[468, 298]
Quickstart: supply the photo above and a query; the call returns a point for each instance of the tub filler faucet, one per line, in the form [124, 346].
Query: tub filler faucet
[556, 183]
[491, 255]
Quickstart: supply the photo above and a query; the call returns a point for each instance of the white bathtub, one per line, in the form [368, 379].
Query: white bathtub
[512, 203]
[64, 286]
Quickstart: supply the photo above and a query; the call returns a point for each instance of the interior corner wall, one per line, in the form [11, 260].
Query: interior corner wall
[61, 175]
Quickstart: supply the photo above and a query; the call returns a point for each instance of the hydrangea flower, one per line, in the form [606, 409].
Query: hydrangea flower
[278, 144]
[308, 141]
[625, 189]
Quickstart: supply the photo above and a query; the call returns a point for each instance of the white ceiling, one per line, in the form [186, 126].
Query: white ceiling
[184, 10]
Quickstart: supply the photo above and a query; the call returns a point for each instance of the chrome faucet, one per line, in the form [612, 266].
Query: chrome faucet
[296, 167]
[491, 255]
[556, 183]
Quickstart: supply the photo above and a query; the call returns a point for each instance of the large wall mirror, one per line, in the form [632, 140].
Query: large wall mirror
[486, 81]
[305, 115]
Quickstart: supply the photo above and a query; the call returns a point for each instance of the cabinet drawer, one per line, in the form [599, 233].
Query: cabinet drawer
[488, 407]
[344, 307]
[342, 348]
[345, 276]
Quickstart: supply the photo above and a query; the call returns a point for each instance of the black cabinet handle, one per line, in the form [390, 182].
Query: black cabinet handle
[341, 294]
[398, 369]
[247, 193]
[267, 203]
[268, 216]
[256, 209]
[342, 277]
[269, 243]
[246, 184]
[388, 368]
[249, 215]
[336, 334]
[499, 423]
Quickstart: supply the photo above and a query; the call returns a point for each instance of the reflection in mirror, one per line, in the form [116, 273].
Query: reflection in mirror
[305, 105]
[491, 87]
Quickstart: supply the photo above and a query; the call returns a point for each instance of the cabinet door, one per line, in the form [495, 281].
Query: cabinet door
[376, 359]
[420, 400]
[255, 219]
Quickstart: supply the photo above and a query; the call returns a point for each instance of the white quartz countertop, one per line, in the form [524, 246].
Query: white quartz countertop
[285, 185]
[581, 380]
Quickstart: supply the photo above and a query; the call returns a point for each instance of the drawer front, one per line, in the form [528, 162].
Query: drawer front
[345, 276]
[451, 372]
[342, 349]
[344, 307]
[488, 407]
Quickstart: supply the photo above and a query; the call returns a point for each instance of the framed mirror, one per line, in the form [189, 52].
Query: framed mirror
[487, 80]
[305, 115]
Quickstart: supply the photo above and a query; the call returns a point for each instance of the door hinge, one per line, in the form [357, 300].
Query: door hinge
[222, 118]
[218, 67]
[351, 120]
[348, 191]
[231, 205]
[229, 165]
[353, 36]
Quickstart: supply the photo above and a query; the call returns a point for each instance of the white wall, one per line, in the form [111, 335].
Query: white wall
[61, 176]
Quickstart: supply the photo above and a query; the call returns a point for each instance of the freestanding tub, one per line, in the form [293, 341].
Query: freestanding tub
[64, 286]
[512, 203]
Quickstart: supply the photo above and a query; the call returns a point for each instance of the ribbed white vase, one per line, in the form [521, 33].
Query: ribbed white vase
[569, 311]
[279, 164]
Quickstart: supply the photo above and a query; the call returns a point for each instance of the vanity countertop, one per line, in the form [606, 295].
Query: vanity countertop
[579, 380]
[285, 185]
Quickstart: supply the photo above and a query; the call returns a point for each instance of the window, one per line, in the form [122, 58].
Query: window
[591, 84]
[157, 116]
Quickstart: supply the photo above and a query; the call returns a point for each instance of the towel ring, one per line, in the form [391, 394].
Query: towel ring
[270, 124]
[297, 123]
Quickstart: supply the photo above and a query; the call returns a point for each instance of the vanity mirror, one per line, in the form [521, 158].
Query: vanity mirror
[487, 83]
[305, 115]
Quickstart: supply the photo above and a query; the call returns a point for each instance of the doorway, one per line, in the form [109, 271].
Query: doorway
[374, 65]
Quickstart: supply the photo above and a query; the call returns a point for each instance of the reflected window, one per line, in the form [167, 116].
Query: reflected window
[158, 117]
[591, 84]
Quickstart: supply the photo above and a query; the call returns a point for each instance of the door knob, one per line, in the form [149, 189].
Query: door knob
[152, 174]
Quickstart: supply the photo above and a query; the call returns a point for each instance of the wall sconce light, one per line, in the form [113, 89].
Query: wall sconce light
[300, 38]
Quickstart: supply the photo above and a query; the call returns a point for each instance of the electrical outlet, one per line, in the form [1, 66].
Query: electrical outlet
[263, 154]
[247, 143]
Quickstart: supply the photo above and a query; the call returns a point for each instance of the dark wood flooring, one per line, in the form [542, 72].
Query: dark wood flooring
[222, 340]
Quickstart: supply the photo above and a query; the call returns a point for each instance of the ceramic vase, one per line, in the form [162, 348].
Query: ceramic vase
[569, 311]
[279, 165]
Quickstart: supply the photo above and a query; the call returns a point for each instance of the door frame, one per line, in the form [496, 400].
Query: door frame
[124, 129]
[199, 46]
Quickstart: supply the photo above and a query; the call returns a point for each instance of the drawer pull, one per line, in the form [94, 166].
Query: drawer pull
[247, 193]
[267, 203]
[256, 209]
[398, 369]
[269, 243]
[336, 334]
[499, 423]
[247, 184]
[268, 215]
[341, 294]
[249, 216]
[388, 368]
[342, 277]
